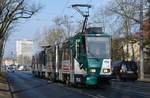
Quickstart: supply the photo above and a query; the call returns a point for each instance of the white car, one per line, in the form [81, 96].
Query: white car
[21, 68]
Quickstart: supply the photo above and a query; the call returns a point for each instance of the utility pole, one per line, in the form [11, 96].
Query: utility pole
[141, 42]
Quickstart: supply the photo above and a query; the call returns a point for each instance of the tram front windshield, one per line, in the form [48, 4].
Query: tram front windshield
[98, 47]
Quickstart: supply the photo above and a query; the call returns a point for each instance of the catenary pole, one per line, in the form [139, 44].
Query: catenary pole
[141, 42]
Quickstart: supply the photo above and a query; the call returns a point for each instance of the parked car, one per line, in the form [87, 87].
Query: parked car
[125, 70]
[10, 69]
[21, 68]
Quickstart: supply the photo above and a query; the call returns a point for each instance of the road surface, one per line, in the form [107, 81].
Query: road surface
[24, 85]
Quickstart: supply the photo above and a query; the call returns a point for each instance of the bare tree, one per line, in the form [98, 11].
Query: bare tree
[55, 35]
[124, 12]
[65, 23]
[11, 11]
[67, 26]
[59, 31]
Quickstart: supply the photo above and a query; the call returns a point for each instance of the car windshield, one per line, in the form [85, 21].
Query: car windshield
[131, 65]
[98, 47]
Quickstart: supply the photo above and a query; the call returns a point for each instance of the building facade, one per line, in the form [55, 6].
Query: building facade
[134, 48]
[24, 51]
[133, 51]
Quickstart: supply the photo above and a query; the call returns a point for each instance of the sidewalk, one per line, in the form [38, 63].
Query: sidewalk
[145, 80]
[4, 87]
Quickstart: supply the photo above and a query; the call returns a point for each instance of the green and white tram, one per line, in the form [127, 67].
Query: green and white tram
[82, 59]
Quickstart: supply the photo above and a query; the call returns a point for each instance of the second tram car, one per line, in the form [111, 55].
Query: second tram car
[82, 59]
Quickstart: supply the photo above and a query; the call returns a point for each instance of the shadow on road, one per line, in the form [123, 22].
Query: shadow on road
[31, 88]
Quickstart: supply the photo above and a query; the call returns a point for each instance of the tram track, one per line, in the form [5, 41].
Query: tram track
[130, 83]
[132, 91]
[82, 91]
[138, 88]
[97, 93]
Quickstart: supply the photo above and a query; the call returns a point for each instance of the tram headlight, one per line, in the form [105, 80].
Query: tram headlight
[93, 70]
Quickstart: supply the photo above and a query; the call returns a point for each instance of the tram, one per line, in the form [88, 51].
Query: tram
[82, 59]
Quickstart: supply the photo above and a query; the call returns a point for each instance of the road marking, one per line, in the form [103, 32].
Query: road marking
[94, 96]
[81, 92]
[101, 96]
[131, 83]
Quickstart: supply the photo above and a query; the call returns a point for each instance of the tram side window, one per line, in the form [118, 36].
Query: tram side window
[42, 58]
[49, 58]
[66, 54]
[60, 59]
[38, 61]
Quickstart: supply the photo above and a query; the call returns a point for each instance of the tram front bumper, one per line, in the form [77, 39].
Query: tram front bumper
[91, 80]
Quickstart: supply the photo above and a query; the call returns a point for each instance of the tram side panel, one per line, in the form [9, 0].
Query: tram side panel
[64, 65]
[70, 71]
[52, 63]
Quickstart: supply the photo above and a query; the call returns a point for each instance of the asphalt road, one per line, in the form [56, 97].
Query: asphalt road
[24, 85]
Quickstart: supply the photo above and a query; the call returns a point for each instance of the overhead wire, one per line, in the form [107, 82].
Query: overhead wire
[65, 6]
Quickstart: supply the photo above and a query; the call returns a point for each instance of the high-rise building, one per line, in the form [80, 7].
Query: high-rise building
[24, 51]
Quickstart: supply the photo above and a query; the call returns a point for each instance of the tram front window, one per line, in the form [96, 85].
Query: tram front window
[98, 47]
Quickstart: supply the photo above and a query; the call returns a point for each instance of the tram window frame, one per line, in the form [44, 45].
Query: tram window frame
[78, 49]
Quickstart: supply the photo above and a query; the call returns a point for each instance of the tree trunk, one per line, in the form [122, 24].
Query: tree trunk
[1, 51]
[127, 26]
[133, 55]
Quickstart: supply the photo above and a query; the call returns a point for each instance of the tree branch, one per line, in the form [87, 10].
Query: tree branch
[136, 20]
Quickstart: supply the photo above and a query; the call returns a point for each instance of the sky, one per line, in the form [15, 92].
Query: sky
[30, 29]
